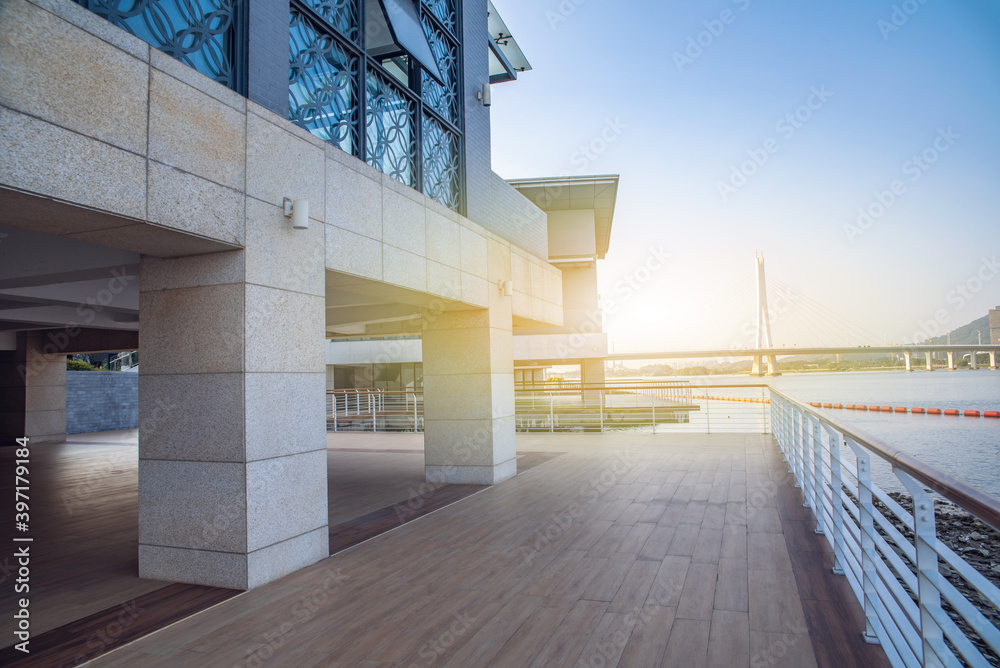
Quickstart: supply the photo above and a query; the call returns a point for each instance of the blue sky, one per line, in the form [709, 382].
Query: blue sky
[771, 134]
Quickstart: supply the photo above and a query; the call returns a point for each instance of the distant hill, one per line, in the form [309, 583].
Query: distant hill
[967, 333]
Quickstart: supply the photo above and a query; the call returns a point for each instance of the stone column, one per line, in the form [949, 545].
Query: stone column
[929, 360]
[973, 362]
[232, 441]
[909, 361]
[33, 390]
[951, 360]
[468, 359]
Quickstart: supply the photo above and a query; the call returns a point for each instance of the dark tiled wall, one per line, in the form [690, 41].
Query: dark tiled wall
[490, 201]
[267, 76]
[101, 401]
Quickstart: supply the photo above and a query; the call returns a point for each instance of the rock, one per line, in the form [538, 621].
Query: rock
[964, 538]
[996, 569]
[975, 535]
[984, 552]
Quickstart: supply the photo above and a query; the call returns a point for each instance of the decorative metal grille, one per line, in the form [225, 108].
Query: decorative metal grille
[199, 33]
[441, 181]
[444, 10]
[341, 14]
[442, 99]
[390, 130]
[322, 85]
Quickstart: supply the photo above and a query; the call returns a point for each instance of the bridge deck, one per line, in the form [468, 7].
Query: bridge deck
[625, 549]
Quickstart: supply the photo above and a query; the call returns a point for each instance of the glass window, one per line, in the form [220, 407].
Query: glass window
[442, 97]
[440, 163]
[322, 95]
[199, 33]
[444, 10]
[390, 133]
[341, 14]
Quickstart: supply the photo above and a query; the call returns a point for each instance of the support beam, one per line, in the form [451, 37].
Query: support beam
[973, 362]
[32, 391]
[929, 360]
[232, 433]
[993, 359]
[909, 361]
[951, 360]
[468, 397]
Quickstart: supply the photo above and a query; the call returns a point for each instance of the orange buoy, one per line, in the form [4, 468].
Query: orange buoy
[951, 411]
[837, 406]
[934, 411]
[849, 407]
[814, 404]
[873, 408]
[886, 409]
[827, 405]
[899, 409]
[993, 414]
[861, 408]
[971, 413]
[916, 410]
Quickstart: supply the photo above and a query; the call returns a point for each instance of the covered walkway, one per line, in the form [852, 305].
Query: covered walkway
[613, 549]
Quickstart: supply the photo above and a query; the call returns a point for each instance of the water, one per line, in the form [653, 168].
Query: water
[968, 448]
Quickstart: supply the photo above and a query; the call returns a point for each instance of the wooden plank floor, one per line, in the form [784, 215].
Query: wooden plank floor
[628, 550]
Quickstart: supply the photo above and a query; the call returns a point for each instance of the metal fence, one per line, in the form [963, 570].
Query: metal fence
[654, 407]
[375, 410]
[923, 602]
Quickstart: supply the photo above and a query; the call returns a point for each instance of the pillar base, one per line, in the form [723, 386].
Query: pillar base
[471, 475]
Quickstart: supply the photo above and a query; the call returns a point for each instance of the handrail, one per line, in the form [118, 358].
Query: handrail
[977, 502]
[923, 601]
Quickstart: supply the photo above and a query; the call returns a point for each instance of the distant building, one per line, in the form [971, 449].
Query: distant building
[995, 326]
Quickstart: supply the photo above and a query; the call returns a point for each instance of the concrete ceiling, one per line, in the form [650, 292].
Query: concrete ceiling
[48, 282]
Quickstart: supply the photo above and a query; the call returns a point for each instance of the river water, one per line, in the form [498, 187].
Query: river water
[968, 448]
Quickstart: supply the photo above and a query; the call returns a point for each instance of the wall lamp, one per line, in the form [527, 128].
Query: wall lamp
[484, 95]
[506, 288]
[298, 211]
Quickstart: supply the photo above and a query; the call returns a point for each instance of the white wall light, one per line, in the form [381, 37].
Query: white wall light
[298, 211]
[506, 288]
[484, 95]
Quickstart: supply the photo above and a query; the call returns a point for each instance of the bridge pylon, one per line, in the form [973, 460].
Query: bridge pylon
[763, 327]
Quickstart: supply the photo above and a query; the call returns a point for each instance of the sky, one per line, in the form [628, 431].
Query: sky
[855, 143]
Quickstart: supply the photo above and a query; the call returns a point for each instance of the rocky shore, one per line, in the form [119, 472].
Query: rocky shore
[974, 541]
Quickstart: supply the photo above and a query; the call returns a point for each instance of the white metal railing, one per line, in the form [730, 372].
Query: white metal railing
[634, 405]
[659, 407]
[124, 361]
[375, 410]
[893, 559]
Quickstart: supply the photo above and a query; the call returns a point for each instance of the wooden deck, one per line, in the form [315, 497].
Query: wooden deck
[628, 550]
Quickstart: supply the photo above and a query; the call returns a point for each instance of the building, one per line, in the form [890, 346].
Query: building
[225, 186]
[995, 326]
[579, 212]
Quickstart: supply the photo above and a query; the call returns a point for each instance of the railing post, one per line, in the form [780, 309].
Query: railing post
[600, 403]
[869, 576]
[654, 414]
[414, 412]
[708, 419]
[928, 594]
[796, 443]
[552, 415]
[817, 486]
[837, 510]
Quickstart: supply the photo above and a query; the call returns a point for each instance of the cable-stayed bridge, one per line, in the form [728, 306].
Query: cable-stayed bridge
[819, 322]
